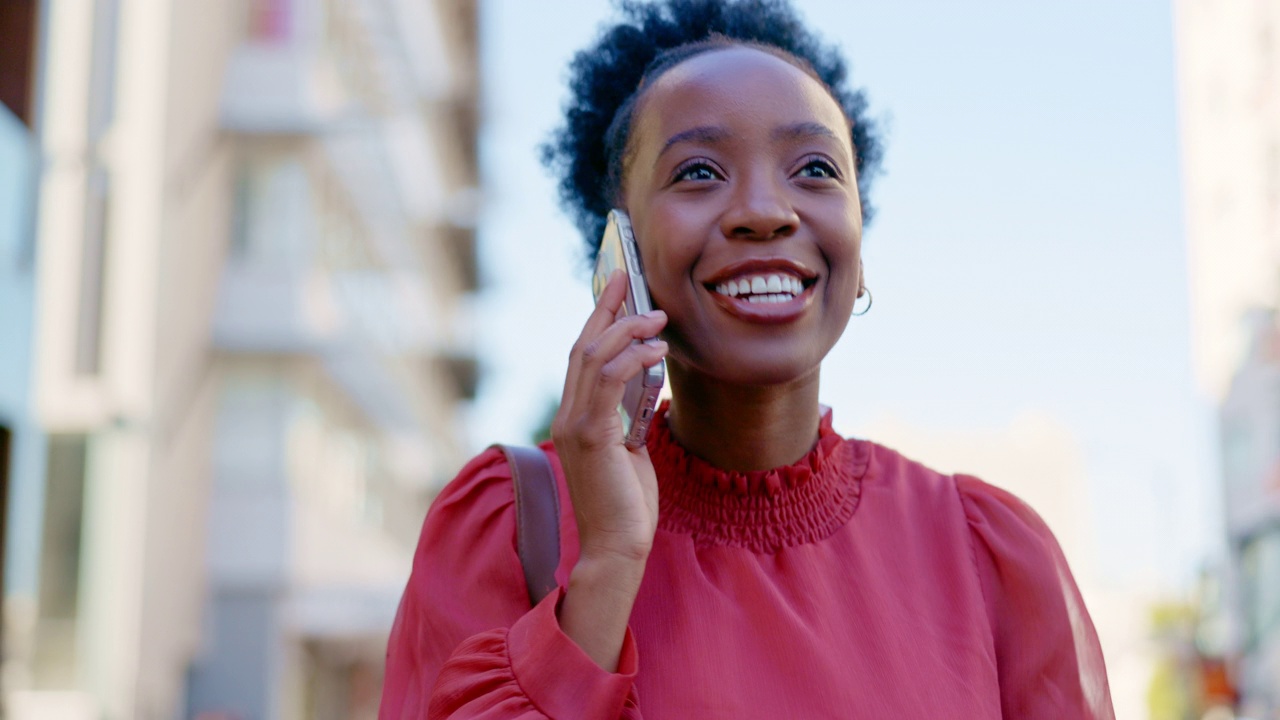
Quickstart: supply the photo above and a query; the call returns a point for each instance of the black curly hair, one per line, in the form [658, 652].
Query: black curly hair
[607, 78]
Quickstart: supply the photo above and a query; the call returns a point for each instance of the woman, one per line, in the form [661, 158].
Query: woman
[749, 562]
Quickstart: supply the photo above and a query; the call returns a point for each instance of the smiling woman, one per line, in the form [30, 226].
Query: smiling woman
[747, 561]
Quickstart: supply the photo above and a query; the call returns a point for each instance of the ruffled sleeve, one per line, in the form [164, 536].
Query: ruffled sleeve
[465, 643]
[1047, 653]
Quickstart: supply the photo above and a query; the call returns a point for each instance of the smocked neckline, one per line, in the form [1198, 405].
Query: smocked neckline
[762, 511]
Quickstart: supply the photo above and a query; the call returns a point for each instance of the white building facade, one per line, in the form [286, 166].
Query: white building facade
[253, 256]
[340, 326]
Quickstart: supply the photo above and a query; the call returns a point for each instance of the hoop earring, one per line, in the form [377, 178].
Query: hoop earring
[858, 313]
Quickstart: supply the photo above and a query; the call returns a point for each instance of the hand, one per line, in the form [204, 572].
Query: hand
[614, 490]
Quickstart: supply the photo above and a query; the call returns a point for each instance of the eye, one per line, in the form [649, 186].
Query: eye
[695, 170]
[817, 166]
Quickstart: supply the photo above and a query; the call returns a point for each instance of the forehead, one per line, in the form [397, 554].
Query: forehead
[731, 87]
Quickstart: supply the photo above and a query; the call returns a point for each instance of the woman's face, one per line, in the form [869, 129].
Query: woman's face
[740, 186]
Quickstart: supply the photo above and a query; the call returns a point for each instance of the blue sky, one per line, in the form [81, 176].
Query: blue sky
[1028, 254]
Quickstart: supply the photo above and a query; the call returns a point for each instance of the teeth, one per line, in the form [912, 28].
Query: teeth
[763, 288]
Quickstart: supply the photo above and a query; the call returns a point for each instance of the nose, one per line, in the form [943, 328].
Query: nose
[759, 209]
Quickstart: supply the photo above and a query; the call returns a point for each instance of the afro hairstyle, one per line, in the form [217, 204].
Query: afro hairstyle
[606, 78]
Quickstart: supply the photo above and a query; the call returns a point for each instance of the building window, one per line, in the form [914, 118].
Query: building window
[1238, 463]
[273, 212]
[95, 246]
[54, 664]
[93, 274]
[1260, 576]
[102, 78]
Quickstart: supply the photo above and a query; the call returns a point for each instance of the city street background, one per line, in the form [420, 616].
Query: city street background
[272, 270]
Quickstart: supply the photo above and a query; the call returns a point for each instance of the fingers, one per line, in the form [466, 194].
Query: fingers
[612, 378]
[617, 340]
[605, 367]
[604, 336]
[615, 291]
[592, 421]
[603, 359]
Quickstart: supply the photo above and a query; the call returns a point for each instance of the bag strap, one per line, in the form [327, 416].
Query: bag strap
[537, 517]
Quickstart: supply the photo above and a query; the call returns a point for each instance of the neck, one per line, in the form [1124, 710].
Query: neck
[743, 428]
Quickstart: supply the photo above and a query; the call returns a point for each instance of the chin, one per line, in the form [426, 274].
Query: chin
[759, 371]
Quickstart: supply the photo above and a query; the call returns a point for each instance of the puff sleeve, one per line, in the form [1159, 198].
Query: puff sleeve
[1048, 657]
[465, 643]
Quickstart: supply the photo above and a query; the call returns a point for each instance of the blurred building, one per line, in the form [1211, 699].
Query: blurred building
[1229, 107]
[250, 265]
[1250, 436]
[1229, 82]
[21, 442]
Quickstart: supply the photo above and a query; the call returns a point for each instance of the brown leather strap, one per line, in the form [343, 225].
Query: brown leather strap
[537, 517]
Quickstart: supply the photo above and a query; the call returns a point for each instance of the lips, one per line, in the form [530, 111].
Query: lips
[764, 290]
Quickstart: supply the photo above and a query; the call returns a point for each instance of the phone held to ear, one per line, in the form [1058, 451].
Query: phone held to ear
[618, 250]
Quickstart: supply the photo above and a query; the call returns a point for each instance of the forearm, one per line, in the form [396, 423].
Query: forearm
[597, 606]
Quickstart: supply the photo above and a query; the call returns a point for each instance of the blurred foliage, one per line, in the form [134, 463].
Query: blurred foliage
[1168, 697]
[1185, 683]
[543, 430]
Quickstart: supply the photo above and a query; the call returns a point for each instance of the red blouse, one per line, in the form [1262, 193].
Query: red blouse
[852, 584]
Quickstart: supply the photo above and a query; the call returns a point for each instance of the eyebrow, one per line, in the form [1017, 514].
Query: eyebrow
[712, 134]
[803, 130]
[709, 134]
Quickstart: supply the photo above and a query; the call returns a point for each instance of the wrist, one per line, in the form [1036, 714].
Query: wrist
[597, 606]
[607, 572]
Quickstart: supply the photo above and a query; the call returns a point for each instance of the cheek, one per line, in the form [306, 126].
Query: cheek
[846, 266]
[668, 255]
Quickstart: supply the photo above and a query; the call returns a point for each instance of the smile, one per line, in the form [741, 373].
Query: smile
[770, 291]
[773, 288]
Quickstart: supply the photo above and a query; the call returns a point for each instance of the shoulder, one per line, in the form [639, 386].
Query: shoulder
[482, 488]
[986, 508]
[482, 491]
[1001, 530]
[1026, 580]
[477, 503]
[483, 476]
[1002, 523]
[466, 576]
[909, 484]
[1047, 651]
[468, 538]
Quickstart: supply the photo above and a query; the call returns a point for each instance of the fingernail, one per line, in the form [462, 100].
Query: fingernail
[654, 314]
[655, 342]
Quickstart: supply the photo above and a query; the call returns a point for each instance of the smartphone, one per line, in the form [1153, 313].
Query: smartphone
[618, 250]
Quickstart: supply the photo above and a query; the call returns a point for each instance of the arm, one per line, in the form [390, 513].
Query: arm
[465, 643]
[571, 656]
[1047, 652]
[613, 489]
